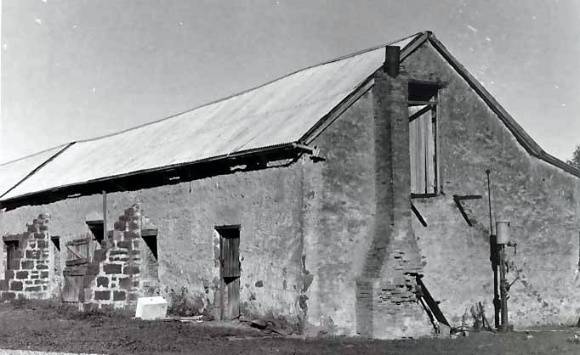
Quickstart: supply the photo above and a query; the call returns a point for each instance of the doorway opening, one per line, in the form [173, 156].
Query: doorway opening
[230, 270]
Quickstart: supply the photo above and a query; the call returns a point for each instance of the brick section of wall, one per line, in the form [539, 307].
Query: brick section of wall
[28, 276]
[387, 306]
[116, 280]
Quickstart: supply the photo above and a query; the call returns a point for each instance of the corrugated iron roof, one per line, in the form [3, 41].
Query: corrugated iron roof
[278, 112]
[274, 114]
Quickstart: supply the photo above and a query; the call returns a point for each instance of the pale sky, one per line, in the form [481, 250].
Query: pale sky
[75, 69]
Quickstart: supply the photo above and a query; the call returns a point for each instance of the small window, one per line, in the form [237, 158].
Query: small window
[55, 239]
[423, 139]
[12, 254]
[96, 228]
[150, 238]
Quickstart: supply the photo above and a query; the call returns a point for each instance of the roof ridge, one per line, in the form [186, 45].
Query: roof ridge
[36, 153]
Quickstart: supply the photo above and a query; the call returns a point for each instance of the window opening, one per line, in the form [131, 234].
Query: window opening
[150, 238]
[423, 139]
[12, 254]
[56, 241]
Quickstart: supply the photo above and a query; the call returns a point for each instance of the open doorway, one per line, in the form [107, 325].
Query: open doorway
[230, 271]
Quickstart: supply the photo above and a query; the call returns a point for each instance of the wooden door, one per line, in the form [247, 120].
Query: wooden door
[230, 271]
[78, 256]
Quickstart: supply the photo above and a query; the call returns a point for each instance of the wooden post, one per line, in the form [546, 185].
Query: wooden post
[503, 290]
[494, 256]
[494, 266]
[104, 216]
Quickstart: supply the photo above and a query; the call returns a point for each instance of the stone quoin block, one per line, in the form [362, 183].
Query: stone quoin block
[33, 289]
[125, 244]
[27, 264]
[119, 296]
[100, 255]
[44, 275]
[130, 270]
[132, 235]
[102, 281]
[112, 268]
[21, 275]
[125, 283]
[118, 251]
[93, 268]
[42, 244]
[16, 286]
[41, 267]
[102, 295]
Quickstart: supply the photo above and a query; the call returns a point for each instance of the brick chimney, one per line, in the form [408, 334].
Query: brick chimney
[386, 290]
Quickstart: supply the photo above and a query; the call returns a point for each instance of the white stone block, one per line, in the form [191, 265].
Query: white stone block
[149, 308]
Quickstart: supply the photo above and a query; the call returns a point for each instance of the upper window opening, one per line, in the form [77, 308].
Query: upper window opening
[423, 138]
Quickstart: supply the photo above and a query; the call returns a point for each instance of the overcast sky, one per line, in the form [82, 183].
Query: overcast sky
[74, 69]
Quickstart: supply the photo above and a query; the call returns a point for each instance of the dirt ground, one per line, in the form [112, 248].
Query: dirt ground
[51, 327]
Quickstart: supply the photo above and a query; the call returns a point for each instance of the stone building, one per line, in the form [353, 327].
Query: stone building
[335, 197]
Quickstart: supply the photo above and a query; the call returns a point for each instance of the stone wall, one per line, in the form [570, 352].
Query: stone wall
[541, 201]
[329, 245]
[28, 274]
[359, 247]
[116, 280]
[265, 203]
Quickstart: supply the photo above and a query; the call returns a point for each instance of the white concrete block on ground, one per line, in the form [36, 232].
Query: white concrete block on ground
[150, 308]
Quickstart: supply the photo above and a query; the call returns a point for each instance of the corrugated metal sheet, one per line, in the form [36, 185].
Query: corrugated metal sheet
[11, 173]
[279, 112]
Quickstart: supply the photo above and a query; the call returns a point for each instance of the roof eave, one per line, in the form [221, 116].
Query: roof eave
[297, 147]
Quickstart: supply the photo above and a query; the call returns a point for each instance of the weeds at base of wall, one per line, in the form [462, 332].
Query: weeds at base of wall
[271, 324]
[183, 304]
[46, 309]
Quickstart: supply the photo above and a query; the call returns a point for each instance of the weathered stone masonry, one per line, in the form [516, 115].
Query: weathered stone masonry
[113, 279]
[27, 276]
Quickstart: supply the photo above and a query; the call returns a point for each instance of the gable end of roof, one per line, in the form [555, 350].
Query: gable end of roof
[525, 140]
